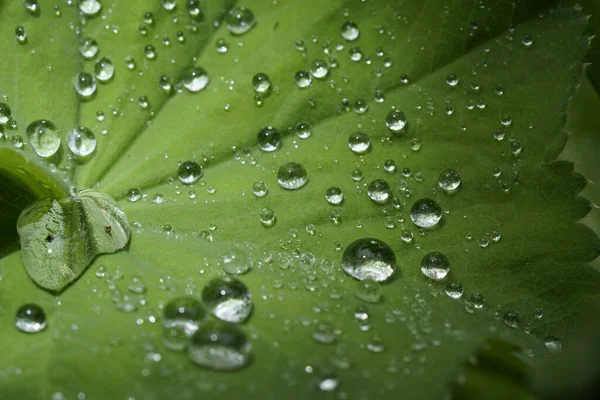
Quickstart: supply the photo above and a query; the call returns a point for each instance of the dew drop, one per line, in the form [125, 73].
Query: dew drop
[21, 34]
[90, 8]
[553, 344]
[426, 213]
[454, 290]
[452, 80]
[368, 290]
[195, 79]
[85, 84]
[220, 346]
[379, 191]
[303, 130]
[449, 180]
[259, 188]
[267, 217]
[228, 299]
[193, 8]
[133, 194]
[435, 266]
[511, 319]
[181, 319]
[324, 333]
[355, 54]
[31, 318]
[261, 83]
[319, 69]
[81, 141]
[32, 7]
[189, 172]
[369, 258]
[268, 139]
[104, 69]
[292, 176]
[359, 142]
[350, 31]
[88, 48]
[334, 196]
[236, 262]
[395, 121]
[169, 5]
[303, 79]
[240, 20]
[43, 137]
[4, 113]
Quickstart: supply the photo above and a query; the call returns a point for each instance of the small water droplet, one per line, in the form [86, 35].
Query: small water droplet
[195, 79]
[426, 213]
[181, 319]
[267, 217]
[359, 142]
[228, 299]
[303, 79]
[88, 48]
[379, 191]
[189, 172]
[261, 83]
[319, 69]
[133, 194]
[303, 130]
[268, 139]
[454, 290]
[104, 69]
[90, 8]
[324, 333]
[259, 188]
[449, 180]
[240, 20]
[553, 344]
[369, 291]
[292, 176]
[435, 265]
[395, 121]
[511, 319]
[350, 31]
[21, 34]
[85, 84]
[369, 258]
[4, 113]
[334, 196]
[220, 346]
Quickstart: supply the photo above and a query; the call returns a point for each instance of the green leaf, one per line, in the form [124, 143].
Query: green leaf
[105, 340]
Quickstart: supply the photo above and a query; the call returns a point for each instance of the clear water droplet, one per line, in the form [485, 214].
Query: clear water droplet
[261, 83]
[511, 319]
[32, 7]
[240, 20]
[324, 333]
[85, 84]
[189, 172]
[454, 290]
[395, 121]
[133, 194]
[193, 8]
[30, 318]
[4, 113]
[350, 31]
[236, 262]
[292, 176]
[195, 79]
[359, 142]
[268, 139]
[88, 48]
[319, 69]
[21, 34]
[303, 79]
[553, 344]
[267, 217]
[369, 258]
[426, 213]
[303, 130]
[220, 346]
[449, 180]
[379, 191]
[334, 196]
[90, 8]
[452, 80]
[368, 290]
[259, 188]
[228, 299]
[104, 69]
[81, 141]
[435, 266]
[43, 137]
[181, 319]
[169, 5]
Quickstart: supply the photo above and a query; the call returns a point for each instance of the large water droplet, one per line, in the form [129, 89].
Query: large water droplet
[85, 84]
[88, 48]
[369, 258]
[240, 20]
[90, 8]
[449, 181]
[319, 69]
[81, 141]
[195, 79]
[379, 191]
[220, 346]
[189, 172]
[395, 121]
[303, 130]
[292, 176]
[181, 319]
[228, 299]
[435, 265]
[43, 137]
[104, 69]
[268, 139]
[30, 318]
[426, 213]
[303, 79]
[359, 142]
[350, 31]
[261, 83]
[334, 196]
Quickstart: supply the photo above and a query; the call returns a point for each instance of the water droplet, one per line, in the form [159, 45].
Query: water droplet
[334, 196]
[21, 34]
[511, 319]
[259, 188]
[222, 46]
[220, 346]
[169, 5]
[369, 291]
[4, 113]
[449, 181]
[527, 40]
[426, 213]
[319, 69]
[85, 84]
[407, 236]
[43, 137]
[292, 176]
[193, 8]
[477, 300]
[194, 79]
[369, 258]
[389, 166]
[32, 7]
[136, 285]
[267, 217]
[328, 383]
[268, 139]
[228, 299]
[303, 130]
[240, 20]
[181, 319]
[133, 194]
[454, 290]
[189, 172]
[88, 48]
[236, 262]
[261, 83]
[553, 344]
[150, 52]
[104, 69]
[30, 318]
[395, 121]
[90, 8]
[355, 54]
[452, 80]
[435, 266]
[302, 79]
[350, 31]
[359, 142]
[81, 141]
[324, 333]
[379, 191]
[130, 63]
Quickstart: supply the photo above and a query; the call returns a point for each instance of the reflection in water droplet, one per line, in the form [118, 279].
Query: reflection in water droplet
[369, 258]
[379, 191]
[261, 83]
[181, 319]
[350, 31]
[303, 130]
[395, 121]
[240, 20]
[303, 79]
[85, 84]
[88, 48]
[4, 113]
[449, 180]
[334, 196]
[267, 217]
[319, 69]
[435, 265]
[30, 318]
[104, 69]
[359, 142]
[268, 139]
[43, 137]
[220, 346]
[426, 213]
[292, 176]
[81, 141]
[228, 299]
[194, 79]
[189, 172]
